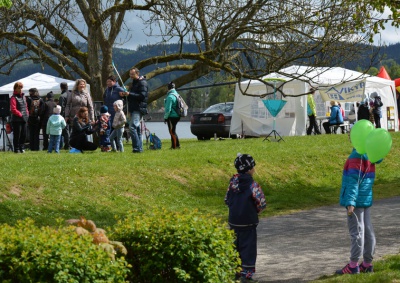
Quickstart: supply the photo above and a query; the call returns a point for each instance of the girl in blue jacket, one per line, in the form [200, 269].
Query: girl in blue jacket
[356, 196]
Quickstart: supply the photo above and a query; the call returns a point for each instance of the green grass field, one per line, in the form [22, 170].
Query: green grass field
[300, 173]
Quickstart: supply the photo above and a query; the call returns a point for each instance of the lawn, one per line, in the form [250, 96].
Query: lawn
[296, 174]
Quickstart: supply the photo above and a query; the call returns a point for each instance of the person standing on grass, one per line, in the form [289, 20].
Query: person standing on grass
[137, 107]
[312, 113]
[19, 117]
[118, 126]
[63, 103]
[48, 111]
[171, 116]
[245, 200]
[55, 125]
[36, 108]
[356, 196]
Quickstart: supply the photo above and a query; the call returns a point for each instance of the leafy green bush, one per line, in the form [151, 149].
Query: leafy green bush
[32, 254]
[177, 247]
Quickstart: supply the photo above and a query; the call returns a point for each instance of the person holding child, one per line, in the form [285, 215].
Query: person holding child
[55, 125]
[81, 127]
[356, 196]
[245, 200]
[118, 125]
[104, 127]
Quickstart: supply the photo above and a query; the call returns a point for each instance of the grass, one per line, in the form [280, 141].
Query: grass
[297, 174]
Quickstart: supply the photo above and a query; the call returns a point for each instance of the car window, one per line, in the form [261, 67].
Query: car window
[220, 108]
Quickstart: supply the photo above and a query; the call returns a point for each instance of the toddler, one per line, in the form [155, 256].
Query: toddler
[55, 125]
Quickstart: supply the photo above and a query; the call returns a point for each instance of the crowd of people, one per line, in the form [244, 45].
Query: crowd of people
[75, 114]
[368, 109]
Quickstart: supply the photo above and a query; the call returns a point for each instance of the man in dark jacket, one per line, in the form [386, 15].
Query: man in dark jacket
[36, 108]
[63, 103]
[137, 107]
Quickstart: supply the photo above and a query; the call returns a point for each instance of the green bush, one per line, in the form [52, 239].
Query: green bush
[32, 254]
[177, 247]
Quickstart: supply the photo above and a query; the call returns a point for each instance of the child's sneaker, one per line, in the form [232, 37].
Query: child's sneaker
[365, 269]
[348, 270]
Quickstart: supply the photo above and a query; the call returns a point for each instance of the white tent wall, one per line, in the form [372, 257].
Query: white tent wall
[44, 83]
[251, 118]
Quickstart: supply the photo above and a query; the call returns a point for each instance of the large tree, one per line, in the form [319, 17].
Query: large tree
[244, 39]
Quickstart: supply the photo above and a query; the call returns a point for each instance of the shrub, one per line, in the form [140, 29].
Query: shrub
[32, 254]
[177, 247]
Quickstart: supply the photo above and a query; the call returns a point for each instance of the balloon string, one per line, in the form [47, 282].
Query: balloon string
[359, 172]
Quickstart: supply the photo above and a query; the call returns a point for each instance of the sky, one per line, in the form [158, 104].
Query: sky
[388, 36]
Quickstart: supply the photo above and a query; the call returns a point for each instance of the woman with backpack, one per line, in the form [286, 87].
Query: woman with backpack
[36, 108]
[171, 115]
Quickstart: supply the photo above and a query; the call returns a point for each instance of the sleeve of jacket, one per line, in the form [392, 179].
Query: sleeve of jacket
[48, 127]
[167, 106]
[90, 107]
[350, 183]
[13, 107]
[258, 197]
[68, 106]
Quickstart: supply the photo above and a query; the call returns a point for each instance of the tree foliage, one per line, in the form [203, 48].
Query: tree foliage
[243, 38]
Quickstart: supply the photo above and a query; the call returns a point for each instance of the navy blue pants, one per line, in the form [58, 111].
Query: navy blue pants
[246, 245]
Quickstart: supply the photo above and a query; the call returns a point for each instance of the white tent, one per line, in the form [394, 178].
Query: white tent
[251, 118]
[44, 83]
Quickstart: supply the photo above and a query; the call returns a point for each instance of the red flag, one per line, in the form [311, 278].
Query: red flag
[383, 74]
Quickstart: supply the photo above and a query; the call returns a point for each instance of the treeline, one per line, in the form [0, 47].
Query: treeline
[388, 56]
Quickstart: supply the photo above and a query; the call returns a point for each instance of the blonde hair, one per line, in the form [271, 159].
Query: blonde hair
[333, 102]
[77, 82]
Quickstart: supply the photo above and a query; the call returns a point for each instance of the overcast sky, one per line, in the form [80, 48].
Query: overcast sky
[388, 36]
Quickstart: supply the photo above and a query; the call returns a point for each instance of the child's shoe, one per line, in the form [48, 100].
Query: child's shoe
[365, 269]
[348, 270]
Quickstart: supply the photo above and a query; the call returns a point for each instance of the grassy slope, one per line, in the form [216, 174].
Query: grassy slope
[300, 173]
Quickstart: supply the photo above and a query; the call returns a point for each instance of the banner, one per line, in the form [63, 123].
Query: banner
[350, 91]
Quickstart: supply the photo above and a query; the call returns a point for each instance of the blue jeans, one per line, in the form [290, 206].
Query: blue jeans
[117, 133]
[136, 132]
[54, 143]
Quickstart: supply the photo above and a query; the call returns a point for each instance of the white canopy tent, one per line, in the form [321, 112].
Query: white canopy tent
[251, 118]
[44, 83]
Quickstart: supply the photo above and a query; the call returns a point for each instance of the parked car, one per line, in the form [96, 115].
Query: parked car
[214, 121]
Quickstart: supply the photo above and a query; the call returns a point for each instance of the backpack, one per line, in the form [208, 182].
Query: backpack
[34, 110]
[155, 142]
[181, 107]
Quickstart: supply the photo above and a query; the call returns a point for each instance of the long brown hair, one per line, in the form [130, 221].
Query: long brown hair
[83, 115]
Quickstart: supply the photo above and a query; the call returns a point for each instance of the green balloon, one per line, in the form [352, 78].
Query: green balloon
[359, 133]
[378, 144]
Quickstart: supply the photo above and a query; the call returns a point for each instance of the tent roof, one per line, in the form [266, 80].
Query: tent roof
[44, 83]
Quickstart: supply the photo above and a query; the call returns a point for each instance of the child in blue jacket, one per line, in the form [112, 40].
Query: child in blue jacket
[245, 200]
[356, 196]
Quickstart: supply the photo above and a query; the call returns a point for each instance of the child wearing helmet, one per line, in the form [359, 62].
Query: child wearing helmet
[245, 200]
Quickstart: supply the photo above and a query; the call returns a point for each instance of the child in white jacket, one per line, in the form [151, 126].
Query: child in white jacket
[118, 126]
[55, 125]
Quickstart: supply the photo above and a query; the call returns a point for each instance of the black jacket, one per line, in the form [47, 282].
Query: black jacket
[137, 99]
